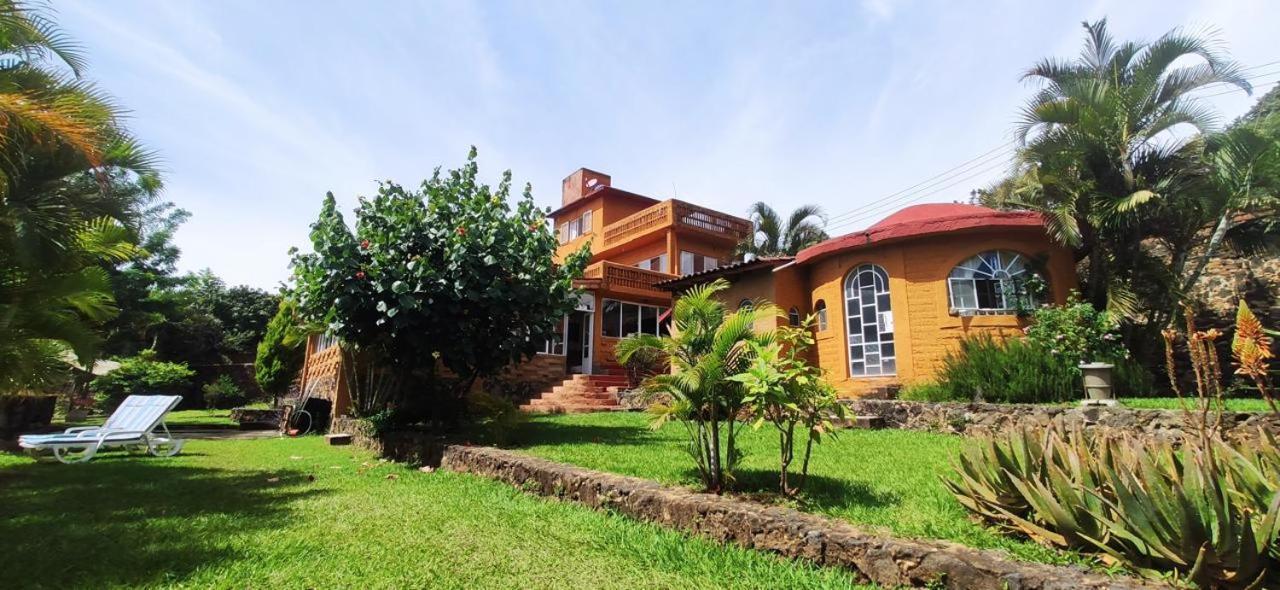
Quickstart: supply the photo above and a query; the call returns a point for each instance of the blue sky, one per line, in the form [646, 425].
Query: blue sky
[258, 108]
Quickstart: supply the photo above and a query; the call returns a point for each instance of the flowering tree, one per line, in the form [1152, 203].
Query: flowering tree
[449, 275]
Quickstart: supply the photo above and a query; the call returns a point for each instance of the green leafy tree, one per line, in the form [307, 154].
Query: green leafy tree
[280, 353]
[790, 394]
[141, 375]
[708, 345]
[58, 135]
[451, 274]
[1099, 158]
[773, 237]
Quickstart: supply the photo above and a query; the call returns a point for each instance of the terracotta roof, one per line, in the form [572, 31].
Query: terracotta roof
[735, 268]
[602, 191]
[919, 221]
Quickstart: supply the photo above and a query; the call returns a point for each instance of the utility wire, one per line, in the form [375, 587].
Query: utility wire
[966, 170]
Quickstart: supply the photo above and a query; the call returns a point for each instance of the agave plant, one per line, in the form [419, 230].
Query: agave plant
[1206, 513]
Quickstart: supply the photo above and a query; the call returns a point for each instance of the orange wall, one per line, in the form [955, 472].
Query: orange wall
[925, 330]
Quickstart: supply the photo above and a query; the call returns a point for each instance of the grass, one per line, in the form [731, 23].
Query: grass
[191, 419]
[886, 480]
[1172, 403]
[295, 513]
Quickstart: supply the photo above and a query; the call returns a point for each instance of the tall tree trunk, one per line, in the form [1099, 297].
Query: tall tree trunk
[1097, 285]
[1210, 249]
[717, 473]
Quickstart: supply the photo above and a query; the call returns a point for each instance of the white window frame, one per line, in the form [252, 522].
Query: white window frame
[860, 349]
[648, 264]
[1009, 269]
[575, 228]
[658, 311]
[689, 261]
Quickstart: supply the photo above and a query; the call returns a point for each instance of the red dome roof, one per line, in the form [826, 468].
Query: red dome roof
[924, 220]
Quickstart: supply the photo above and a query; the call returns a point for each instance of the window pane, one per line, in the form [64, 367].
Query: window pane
[889, 366]
[886, 349]
[963, 295]
[858, 369]
[662, 264]
[686, 263]
[612, 318]
[709, 263]
[664, 322]
[630, 319]
[586, 222]
[988, 294]
[649, 320]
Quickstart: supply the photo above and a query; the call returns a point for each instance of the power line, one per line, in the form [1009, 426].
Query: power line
[998, 151]
[882, 209]
[917, 192]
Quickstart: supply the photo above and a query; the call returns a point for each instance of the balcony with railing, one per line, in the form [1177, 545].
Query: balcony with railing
[621, 278]
[679, 215]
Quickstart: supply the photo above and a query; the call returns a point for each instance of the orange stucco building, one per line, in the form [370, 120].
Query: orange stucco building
[892, 300]
[636, 242]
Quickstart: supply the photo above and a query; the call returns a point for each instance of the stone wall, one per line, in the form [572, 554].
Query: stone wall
[961, 418]
[829, 542]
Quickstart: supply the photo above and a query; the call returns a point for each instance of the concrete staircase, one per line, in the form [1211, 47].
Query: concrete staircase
[580, 394]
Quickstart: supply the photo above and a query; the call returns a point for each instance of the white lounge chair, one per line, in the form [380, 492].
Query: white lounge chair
[131, 425]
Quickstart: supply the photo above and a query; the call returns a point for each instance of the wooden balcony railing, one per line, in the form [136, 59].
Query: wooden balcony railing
[676, 213]
[620, 276]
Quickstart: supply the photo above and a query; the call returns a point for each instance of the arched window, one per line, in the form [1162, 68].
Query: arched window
[820, 310]
[993, 282]
[746, 304]
[869, 319]
[793, 317]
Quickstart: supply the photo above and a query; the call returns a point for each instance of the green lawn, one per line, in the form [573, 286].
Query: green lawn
[883, 479]
[202, 419]
[295, 513]
[1172, 403]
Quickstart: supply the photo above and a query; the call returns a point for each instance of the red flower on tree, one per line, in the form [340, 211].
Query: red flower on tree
[364, 244]
[360, 274]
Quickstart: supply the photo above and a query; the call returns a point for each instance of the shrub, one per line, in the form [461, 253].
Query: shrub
[1077, 333]
[1207, 512]
[224, 393]
[280, 352]
[141, 375]
[783, 389]
[1012, 371]
[495, 417]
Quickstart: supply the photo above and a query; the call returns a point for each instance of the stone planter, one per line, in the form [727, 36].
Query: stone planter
[21, 413]
[1097, 383]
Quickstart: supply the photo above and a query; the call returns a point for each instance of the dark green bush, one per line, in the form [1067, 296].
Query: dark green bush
[141, 375]
[1010, 371]
[224, 393]
[1130, 379]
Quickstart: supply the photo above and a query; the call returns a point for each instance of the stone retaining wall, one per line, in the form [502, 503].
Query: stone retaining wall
[974, 418]
[883, 560]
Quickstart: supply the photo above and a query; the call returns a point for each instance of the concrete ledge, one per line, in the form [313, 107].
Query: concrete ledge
[886, 561]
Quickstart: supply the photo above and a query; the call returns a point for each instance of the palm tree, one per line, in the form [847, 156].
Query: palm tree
[61, 150]
[772, 237]
[708, 344]
[1099, 157]
[1238, 164]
